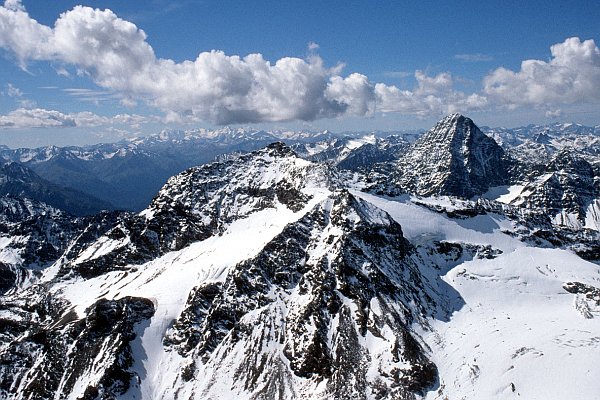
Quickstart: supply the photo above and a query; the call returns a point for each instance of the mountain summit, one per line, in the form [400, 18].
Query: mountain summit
[453, 158]
[278, 275]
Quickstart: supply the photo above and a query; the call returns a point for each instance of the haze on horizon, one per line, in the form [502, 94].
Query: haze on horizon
[77, 74]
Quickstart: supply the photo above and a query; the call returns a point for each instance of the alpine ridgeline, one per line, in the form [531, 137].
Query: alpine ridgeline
[358, 268]
[274, 281]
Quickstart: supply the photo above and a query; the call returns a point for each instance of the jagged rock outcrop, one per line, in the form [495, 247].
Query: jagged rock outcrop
[202, 202]
[565, 189]
[33, 235]
[46, 348]
[330, 300]
[453, 158]
[325, 309]
[268, 276]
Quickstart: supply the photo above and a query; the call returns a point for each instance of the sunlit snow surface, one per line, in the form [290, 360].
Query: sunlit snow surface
[504, 194]
[168, 280]
[519, 333]
[592, 215]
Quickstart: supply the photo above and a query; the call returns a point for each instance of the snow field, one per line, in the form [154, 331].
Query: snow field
[519, 334]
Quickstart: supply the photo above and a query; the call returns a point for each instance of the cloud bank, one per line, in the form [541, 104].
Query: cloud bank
[226, 89]
[571, 76]
[42, 118]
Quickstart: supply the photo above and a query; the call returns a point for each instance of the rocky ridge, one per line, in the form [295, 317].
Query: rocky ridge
[202, 202]
[324, 309]
[268, 276]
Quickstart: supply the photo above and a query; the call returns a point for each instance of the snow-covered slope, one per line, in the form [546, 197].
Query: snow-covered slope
[523, 329]
[268, 276]
[317, 313]
[325, 279]
[33, 235]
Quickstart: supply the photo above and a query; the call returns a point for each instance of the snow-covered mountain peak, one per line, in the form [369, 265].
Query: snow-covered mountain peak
[449, 127]
[274, 172]
[452, 130]
[326, 306]
[452, 158]
[204, 201]
[272, 275]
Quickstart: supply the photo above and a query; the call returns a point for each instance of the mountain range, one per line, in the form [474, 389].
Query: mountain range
[459, 264]
[127, 174]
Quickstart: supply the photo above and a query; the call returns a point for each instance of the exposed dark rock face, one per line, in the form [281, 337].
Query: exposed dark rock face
[45, 355]
[10, 275]
[453, 158]
[329, 303]
[591, 292]
[310, 299]
[565, 185]
[202, 202]
[34, 235]
[587, 298]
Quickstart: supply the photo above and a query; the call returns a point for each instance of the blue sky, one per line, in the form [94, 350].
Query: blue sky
[92, 75]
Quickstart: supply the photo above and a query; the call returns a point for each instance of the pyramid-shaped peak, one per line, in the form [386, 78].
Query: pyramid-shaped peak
[454, 117]
[452, 158]
[451, 125]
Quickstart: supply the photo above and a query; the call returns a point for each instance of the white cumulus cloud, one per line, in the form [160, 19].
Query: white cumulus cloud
[214, 87]
[433, 95]
[354, 91]
[571, 76]
[220, 88]
[36, 118]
